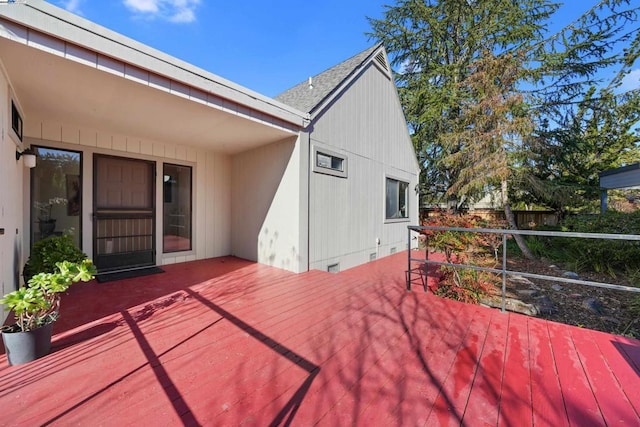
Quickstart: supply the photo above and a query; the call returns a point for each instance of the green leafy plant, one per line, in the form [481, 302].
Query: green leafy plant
[47, 253]
[38, 303]
[600, 255]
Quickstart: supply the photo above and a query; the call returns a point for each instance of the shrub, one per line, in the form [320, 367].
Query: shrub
[469, 285]
[601, 255]
[461, 247]
[46, 253]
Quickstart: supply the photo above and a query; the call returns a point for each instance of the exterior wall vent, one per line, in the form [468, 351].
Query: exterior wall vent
[334, 268]
[382, 61]
[393, 250]
[372, 256]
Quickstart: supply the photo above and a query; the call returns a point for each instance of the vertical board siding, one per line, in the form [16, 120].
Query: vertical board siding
[13, 208]
[265, 200]
[211, 182]
[366, 124]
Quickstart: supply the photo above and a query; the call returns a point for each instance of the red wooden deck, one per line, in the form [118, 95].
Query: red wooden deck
[228, 342]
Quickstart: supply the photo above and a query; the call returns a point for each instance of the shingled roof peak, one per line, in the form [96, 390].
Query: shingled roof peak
[309, 94]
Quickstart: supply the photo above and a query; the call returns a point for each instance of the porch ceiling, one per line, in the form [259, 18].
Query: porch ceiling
[50, 87]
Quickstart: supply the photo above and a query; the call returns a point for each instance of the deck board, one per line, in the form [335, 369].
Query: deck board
[229, 342]
[516, 407]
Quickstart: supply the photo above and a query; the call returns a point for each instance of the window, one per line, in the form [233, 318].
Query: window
[329, 163]
[16, 121]
[177, 208]
[56, 194]
[396, 199]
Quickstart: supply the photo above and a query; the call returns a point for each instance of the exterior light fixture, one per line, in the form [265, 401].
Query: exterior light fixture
[29, 157]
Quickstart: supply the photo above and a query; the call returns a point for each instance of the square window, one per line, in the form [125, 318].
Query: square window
[396, 199]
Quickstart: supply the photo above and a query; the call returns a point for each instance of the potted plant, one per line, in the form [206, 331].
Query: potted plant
[36, 307]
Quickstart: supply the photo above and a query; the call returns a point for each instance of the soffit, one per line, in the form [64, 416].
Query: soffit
[136, 103]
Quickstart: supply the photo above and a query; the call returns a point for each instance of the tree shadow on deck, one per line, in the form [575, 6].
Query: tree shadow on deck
[415, 358]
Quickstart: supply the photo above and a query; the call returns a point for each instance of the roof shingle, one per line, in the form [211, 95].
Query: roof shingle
[306, 98]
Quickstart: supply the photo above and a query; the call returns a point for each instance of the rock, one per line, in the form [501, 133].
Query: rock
[553, 266]
[520, 279]
[571, 275]
[544, 305]
[594, 305]
[527, 292]
[556, 287]
[513, 305]
[610, 319]
[576, 296]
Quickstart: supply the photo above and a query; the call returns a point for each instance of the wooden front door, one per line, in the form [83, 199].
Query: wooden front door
[124, 213]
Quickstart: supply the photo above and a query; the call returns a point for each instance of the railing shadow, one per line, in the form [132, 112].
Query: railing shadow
[630, 353]
[288, 411]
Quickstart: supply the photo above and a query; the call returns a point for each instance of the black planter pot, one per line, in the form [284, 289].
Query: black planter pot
[23, 347]
[46, 227]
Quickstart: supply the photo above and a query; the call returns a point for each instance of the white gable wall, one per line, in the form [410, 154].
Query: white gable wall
[347, 215]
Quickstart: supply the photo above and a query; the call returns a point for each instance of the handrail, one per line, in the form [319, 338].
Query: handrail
[503, 270]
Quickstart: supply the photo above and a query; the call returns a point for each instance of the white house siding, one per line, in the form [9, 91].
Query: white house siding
[211, 180]
[266, 205]
[347, 215]
[13, 175]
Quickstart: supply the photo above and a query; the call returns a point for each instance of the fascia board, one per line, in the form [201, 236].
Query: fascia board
[46, 18]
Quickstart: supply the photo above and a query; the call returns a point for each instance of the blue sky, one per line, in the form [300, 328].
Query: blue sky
[264, 46]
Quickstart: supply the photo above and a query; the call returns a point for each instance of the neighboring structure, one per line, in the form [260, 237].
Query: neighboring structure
[626, 177]
[149, 160]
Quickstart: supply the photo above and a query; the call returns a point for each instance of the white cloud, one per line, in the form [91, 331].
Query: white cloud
[181, 11]
[71, 5]
[631, 81]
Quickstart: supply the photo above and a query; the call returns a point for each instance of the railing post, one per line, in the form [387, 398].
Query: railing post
[504, 271]
[409, 258]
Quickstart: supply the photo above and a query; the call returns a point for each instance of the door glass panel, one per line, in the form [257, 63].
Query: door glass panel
[56, 194]
[177, 208]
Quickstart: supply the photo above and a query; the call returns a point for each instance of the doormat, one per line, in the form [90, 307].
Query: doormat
[129, 274]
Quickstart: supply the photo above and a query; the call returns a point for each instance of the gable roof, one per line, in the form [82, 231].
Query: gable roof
[306, 98]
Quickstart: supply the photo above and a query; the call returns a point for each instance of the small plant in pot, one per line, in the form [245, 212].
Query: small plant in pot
[36, 307]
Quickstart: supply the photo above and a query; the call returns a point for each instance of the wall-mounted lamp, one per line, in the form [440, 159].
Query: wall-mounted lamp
[29, 157]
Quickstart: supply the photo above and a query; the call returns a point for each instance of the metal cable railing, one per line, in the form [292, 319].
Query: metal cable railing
[503, 271]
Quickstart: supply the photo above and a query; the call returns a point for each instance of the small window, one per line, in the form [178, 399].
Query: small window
[329, 163]
[396, 199]
[16, 121]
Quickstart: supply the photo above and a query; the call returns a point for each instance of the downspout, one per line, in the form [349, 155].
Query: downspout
[309, 160]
